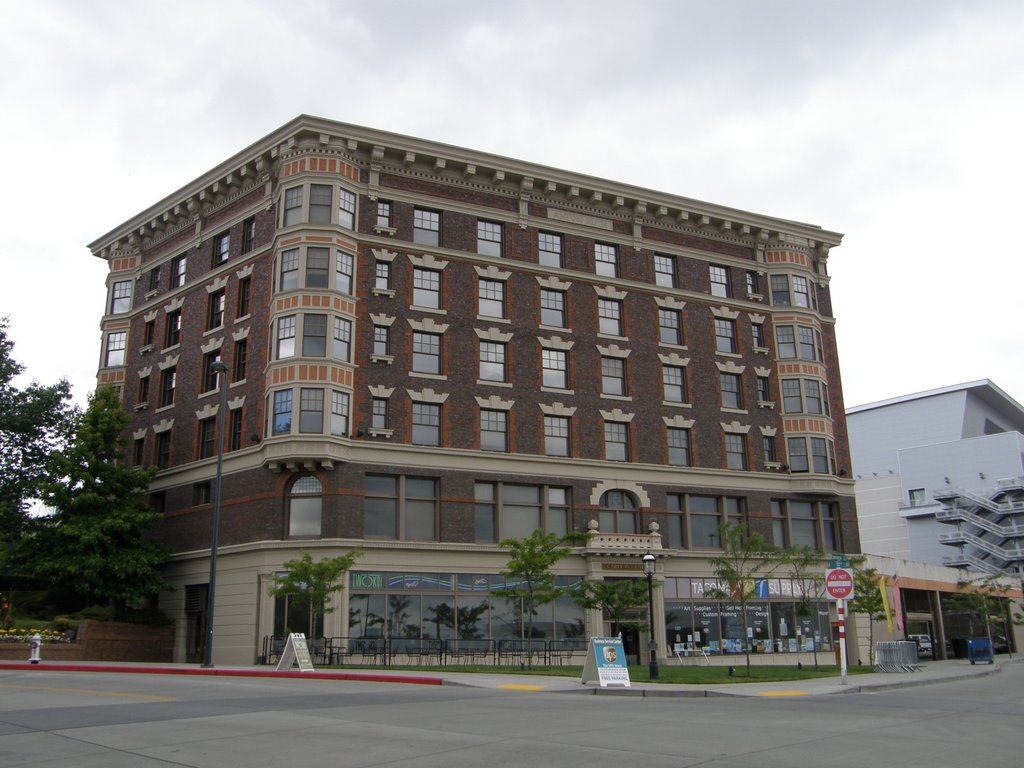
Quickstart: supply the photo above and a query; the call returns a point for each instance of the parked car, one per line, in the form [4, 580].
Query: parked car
[924, 644]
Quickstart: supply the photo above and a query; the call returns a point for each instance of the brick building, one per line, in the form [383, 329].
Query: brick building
[431, 349]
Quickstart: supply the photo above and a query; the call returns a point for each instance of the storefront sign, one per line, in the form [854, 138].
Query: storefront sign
[606, 662]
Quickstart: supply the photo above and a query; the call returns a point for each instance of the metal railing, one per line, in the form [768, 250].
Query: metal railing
[896, 656]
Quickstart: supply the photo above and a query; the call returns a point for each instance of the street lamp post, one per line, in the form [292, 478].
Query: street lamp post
[222, 373]
[652, 646]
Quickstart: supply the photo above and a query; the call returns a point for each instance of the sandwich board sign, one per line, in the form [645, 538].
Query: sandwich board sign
[606, 662]
[295, 650]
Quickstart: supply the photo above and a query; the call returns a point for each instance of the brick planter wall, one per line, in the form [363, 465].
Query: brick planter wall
[104, 641]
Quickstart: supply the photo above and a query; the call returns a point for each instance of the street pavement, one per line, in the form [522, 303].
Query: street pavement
[927, 673]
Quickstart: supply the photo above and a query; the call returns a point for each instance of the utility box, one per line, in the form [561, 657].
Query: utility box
[980, 649]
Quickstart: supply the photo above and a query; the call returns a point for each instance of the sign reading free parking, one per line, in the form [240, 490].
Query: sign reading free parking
[839, 583]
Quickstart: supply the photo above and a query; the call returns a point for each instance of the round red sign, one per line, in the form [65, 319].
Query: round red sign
[839, 583]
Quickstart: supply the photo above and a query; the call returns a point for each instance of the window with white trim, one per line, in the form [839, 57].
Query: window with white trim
[292, 206]
[426, 290]
[488, 238]
[314, 335]
[400, 507]
[492, 361]
[725, 335]
[289, 280]
[493, 430]
[117, 343]
[511, 511]
[317, 267]
[735, 451]
[552, 308]
[732, 393]
[673, 379]
[311, 411]
[286, 328]
[613, 376]
[719, 277]
[341, 343]
[305, 507]
[609, 313]
[426, 227]
[556, 435]
[339, 413]
[678, 446]
[555, 368]
[426, 352]
[549, 249]
[616, 441]
[670, 326]
[606, 260]
[426, 423]
[320, 203]
[346, 209]
[344, 272]
[665, 270]
[491, 298]
[121, 297]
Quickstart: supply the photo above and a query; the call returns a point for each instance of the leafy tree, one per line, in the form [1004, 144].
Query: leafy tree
[529, 572]
[867, 599]
[311, 583]
[34, 422]
[94, 544]
[982, 599]
[806, 568]
[621, 601]
[745, 557]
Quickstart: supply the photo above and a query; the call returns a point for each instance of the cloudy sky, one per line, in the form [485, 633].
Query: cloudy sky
[898, 123]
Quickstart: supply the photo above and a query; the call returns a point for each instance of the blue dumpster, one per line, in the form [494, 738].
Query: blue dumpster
[980, 649]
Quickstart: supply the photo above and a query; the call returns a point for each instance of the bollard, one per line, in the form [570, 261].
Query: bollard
[34, 645]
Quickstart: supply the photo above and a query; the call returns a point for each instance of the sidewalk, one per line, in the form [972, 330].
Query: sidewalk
[930, 672]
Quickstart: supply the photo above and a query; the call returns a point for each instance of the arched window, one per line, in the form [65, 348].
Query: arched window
[617, 513]
[305, 507]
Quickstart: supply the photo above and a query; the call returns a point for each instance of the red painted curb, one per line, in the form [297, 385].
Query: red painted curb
[372, 678]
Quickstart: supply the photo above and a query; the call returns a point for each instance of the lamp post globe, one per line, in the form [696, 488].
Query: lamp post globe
[652, 647]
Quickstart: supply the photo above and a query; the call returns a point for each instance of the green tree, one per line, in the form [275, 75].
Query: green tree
[621, 601]
[982, 599]
[311, 583]
[35, 421]
[528, 572]
[867, 599]
[745, 558]
[95, 542]
[807, 569]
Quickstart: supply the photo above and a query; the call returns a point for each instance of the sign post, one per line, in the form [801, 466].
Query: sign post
[839, 587]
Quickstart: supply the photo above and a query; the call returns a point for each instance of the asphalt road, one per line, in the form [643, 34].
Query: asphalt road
[144, 721]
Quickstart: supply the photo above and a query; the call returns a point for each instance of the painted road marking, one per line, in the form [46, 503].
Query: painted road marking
[520, 687]
[784, 693]
[85, 692]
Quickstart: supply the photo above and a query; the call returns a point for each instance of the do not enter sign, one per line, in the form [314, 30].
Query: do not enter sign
[839, 583]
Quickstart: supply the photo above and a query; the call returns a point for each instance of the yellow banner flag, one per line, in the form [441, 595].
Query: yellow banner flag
[885, 602]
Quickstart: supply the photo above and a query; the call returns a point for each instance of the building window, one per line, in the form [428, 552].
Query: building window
[241, 359]
[814, 398]
[555, 363]
[305, 507]
[617, 513]
[725, 335]
[289, 270]
[552, 308]
[209, 373]
[802, 524]
[339, 413]
[148, 333]
[507, 511]
[785, 338]
[706, 518]
[381, 340]
[292, 206]
[282, 424]
[613, 376]
[764, 394]
[201, 493]
[320, 203]
[244, 298]
[493, 430]
[121, 297]
[426, 227]
[143, 393]
[215, 310]
[178, 266]
[809, 346]
[791, 400]
[719, 280]
[492, 361]
[797, 448]
[235, 430]
[679, 447]
[801, 292]
[317, 267]
[426, 424]
[768, 448]
[311, 411]
[752, 284]
[168, 383]
[400, 508]
[154, 279]
[609, 313]
[780, 290]
[344, 272]
[823, 457]
[383, 214]
[673, 379]
[670, 327]
[172, 334]
[382, 276]
[116, 344]
[735, 451]
[221, 248]
[491, 298]
[341, 344]
[314, 336]
[606, 260]
[426, 353]
[426, 288]
[917, 497]
[757, 329]
[549, 249]
[207, 438]
[248, 234]
[616, 441]
[732, 395]
[138, 452]
[285, 337]
[346, 209]
[488, 238]
[379, 413]
[556, 435]
[665, 270]
[163, 450]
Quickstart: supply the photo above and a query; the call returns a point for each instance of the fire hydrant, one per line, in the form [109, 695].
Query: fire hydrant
[34, 645]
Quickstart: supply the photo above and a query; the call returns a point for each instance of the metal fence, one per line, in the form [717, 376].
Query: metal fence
[896, 656]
